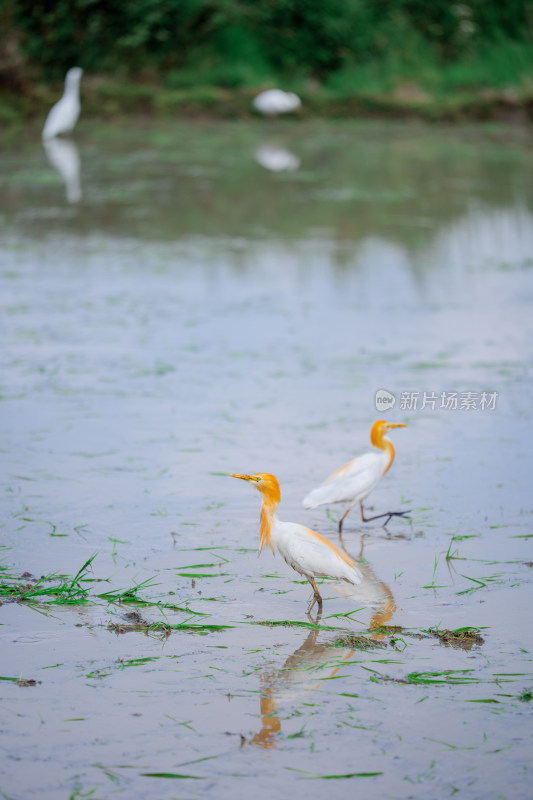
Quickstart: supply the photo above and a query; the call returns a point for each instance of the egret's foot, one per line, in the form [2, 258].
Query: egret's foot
[387, 514]
[395, 514]
[316, 597]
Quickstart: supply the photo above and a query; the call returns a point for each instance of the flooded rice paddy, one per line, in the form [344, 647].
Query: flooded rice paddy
[182, 301]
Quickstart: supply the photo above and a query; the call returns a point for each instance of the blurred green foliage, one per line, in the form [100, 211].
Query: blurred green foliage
[248, 42]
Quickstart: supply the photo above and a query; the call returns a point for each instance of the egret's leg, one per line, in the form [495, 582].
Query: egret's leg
[387, 514]
[316, 596]
[344, 517]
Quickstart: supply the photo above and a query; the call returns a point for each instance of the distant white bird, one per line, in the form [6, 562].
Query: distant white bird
[64, 157]
[275, 101]
[355, 480]
[63, 116]
[276, 159]
[304, 550]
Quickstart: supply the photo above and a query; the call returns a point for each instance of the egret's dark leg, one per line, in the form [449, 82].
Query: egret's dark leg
[316, 596]
[387, 514]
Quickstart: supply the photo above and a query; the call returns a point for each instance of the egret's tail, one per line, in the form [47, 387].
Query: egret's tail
[317, 497]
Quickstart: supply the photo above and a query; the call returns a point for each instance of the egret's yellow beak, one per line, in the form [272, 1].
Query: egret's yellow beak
[246, 477]
[396, 425]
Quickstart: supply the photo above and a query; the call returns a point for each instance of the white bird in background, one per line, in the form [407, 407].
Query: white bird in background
[63, 116]
[353, 482]
[304, 550]
[275, 101]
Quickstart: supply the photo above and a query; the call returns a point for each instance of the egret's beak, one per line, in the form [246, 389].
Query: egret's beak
[396, 425]
[246, 477]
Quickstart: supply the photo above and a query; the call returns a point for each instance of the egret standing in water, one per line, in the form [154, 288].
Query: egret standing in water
[304, 550]
[272, 102]
[353, 482]
[63, 116]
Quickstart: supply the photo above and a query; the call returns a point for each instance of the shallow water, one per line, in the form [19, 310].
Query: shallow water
[177, 310]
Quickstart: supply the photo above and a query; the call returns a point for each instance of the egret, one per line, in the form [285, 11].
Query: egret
[304, 550]
[353, 482]
[275, 101]
[63, 116]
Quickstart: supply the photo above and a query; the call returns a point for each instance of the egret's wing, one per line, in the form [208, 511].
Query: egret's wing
[62, 117]
[354, 467]
[53, 120]
[310, 553]
[350, 483]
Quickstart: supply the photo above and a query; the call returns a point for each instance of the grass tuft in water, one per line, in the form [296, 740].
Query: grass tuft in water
[68, 591]
[465, 638]
[358, 642]
[20, 681]
[137, 623]
[129, 595]
[294, 623]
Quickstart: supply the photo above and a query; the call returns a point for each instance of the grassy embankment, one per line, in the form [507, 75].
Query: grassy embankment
[496, 84]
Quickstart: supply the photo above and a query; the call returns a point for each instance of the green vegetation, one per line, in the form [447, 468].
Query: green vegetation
[343, 57]
[463, 638]
[62, 590]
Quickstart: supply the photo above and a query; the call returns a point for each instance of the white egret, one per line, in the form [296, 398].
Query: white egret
[304, 550]
[63, 116]
[353, 482]
[275, 101]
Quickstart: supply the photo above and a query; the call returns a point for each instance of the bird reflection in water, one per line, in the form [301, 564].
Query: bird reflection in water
[276, 158]
[64, 157]
[298, 675]
[371, 592]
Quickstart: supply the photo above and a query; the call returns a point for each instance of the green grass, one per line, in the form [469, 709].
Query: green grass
[175, 775]
[464, 638]
[411, 81]
[294, 623]
[129, 595]
[67, 591]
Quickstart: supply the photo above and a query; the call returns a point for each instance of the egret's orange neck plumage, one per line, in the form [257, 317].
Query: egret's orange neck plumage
[378, 439]
[269, 488]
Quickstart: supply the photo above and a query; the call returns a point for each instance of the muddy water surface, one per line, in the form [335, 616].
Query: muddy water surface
[183, 301]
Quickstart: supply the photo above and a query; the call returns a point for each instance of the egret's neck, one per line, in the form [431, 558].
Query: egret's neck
[268, 517]
[390, 451]
[379, 440]
[72, 87]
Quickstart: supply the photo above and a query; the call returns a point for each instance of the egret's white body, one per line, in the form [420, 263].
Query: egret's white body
[353, 482]
[306, 551]
[275, 101]
[63, 117]
[309, 554]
